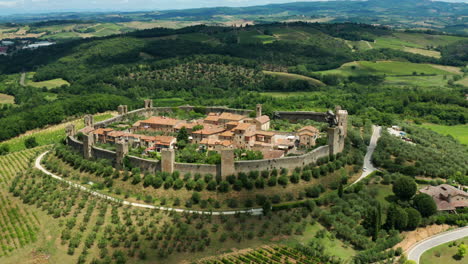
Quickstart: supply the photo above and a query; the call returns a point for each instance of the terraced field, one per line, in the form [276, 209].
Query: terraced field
[18, 225]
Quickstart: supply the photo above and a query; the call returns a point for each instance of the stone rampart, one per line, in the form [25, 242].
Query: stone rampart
[289, 163]
[191, 168]
[100, 153]
[146, 165]
[75, 144]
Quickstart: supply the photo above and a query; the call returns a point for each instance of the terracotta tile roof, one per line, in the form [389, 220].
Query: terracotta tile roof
[116, 134]
[263, 119]
[137, 123]
[265, 133]
[161, 120]
[188, 125]
[310, 128]
[212, 117]
[102, 131]
[283, 141]
[210, 130]
[86, 130]
[307, 133]
[226, 134]
[230, 116]
[232, 123]
[243, 126]
[214, 142]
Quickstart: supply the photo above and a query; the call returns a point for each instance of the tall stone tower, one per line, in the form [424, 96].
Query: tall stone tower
[227, 163]
[88, 142]
[122, 109]
[88, 121]
[259, 110]
[148, 104]
[70, 130]
[167, 160]
[121, 152]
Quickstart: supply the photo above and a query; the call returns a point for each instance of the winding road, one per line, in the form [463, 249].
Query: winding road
[368, 167]
[415, 252]
[38, 165]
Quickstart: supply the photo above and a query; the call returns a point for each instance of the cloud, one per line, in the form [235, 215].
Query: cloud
[9, 3]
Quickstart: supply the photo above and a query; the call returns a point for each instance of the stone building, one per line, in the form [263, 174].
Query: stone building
[447, 197]
[307, 136]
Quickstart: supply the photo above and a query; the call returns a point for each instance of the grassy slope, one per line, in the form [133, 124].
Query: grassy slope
[287, 77]
[460, 132]
[386, 67]
[49, 84]
[446, 254]
[49, 135]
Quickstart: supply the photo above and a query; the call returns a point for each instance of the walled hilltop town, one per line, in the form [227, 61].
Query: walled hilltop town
[222, 130]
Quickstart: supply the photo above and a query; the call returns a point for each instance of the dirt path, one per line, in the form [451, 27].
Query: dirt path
[38, 165]
[22, 79]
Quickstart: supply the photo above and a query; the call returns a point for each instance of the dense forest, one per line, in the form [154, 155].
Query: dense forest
[204, 65]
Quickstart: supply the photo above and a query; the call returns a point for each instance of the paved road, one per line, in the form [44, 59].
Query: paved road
[415, 252]
[38, 165]
[377, 131]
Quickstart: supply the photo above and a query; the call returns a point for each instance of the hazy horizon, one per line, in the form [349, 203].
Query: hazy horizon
[10, 7]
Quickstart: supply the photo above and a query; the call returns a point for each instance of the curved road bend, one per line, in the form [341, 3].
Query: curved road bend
[38, 165]
[415, 252]
[377, 131]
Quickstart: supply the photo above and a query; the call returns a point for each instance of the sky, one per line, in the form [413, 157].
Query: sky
[36, 6]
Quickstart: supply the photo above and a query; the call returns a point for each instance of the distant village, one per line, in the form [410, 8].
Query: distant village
[215, 132]
[8, 47]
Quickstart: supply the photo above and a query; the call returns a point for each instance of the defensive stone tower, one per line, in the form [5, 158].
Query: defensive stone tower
[88, 142]
[121, 152]
[148, 104]
[167, 160]
[259, 110]
[70, 130]
[227, 163]
[338, 133]
[122, 109]
[89, 121]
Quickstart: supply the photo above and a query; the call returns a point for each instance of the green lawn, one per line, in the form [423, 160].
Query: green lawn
[460, 132]
[443, 254]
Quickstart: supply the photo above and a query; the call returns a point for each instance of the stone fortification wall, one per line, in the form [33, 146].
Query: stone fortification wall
[289, 163]
[336, 136]
[184, 168]
[100, 153]
[151, 166]
[75, 144]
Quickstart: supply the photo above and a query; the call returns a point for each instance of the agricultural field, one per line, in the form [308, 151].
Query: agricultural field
[401, 40]
[19, 225]
[443, 254]
[459, 132]
[49, 84]
[50, 135]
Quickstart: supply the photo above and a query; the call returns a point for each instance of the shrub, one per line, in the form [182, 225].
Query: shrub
[179, 183]
[424, 204]
[404, 187]
[223, 187]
